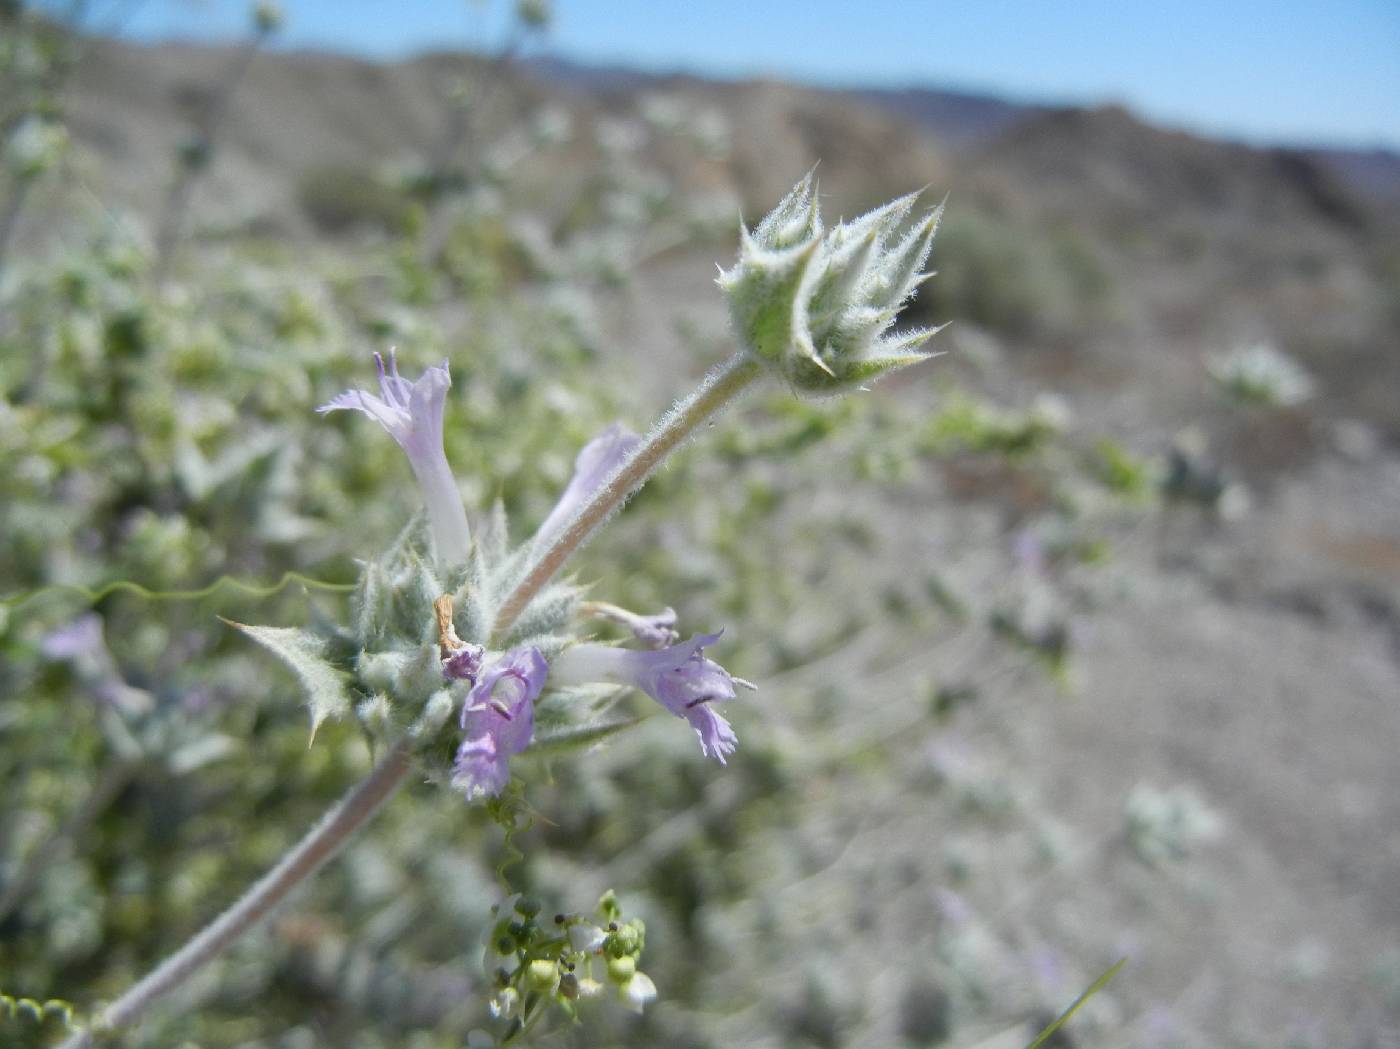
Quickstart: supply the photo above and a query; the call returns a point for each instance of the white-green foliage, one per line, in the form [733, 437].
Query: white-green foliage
[1262, 374]
[386, 668]
[34, 146]
[1170, 824]
[305, 653]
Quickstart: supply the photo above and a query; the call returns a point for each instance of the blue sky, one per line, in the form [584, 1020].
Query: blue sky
[1263, 70]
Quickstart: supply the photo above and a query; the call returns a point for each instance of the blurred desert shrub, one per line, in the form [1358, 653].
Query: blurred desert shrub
[1050, 283]
[339, 200]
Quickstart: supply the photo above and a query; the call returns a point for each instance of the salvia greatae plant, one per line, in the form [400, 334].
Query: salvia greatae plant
[466, 648]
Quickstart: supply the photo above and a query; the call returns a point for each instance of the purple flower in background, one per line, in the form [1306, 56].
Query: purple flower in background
[78, 639]
[82, 645]
[680, 678]
[595, 461]
[1028, 548]
[655, 631]
[498, 719]
[412, 413]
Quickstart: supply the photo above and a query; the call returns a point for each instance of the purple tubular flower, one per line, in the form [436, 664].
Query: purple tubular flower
[680, 678]
[412, 413]
[595, 461]
[498, 719]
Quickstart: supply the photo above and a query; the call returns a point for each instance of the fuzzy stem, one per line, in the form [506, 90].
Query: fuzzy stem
[321, 843]
[720, 387]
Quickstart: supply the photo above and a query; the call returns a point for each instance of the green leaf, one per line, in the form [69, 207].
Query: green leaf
[547, 614]
[577, 737]
[1094, 988]
[304, 652]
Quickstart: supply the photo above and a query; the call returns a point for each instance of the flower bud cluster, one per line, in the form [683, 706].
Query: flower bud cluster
[816, 305]
[535, 961]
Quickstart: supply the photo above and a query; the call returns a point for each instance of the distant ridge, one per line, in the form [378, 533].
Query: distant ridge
[963, 119]
[1374, 173]
[957, 117]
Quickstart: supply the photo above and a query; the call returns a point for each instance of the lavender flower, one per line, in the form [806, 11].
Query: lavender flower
[412, 413]
[596, 460]
[80, 638]
[680, 678]
[498, 719]
[81, 644]
[655, 631]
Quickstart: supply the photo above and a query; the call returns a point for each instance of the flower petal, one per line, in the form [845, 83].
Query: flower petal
[412, 414]
[498, 719]
[679, 677]
[594, 463]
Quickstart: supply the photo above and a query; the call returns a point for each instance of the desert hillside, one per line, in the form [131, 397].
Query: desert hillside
[1089, 229]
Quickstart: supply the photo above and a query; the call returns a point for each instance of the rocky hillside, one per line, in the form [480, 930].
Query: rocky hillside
[1078, 225]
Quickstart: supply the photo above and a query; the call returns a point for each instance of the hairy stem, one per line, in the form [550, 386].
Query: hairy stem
[719, 388]
[321, 843]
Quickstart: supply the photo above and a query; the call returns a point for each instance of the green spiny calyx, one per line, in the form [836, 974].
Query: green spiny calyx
[815, 305]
